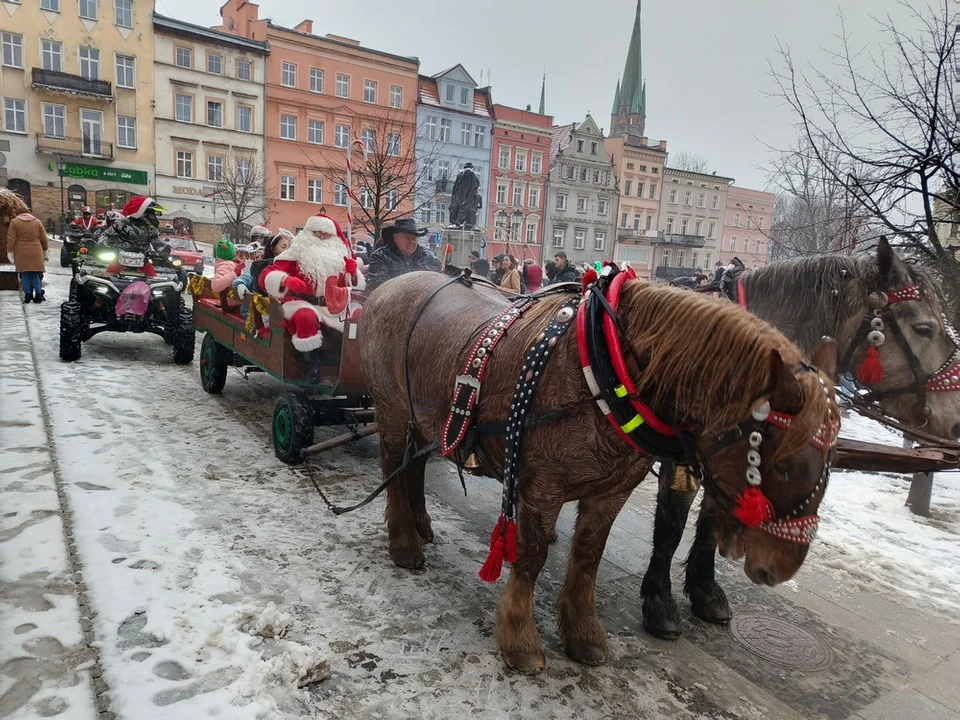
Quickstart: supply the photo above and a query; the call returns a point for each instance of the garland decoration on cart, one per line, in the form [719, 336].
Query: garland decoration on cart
[259, 304]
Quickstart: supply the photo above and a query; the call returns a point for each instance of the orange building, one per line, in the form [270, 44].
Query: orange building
[323, 93]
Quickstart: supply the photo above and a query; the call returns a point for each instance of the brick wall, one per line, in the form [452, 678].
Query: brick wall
[46, 203]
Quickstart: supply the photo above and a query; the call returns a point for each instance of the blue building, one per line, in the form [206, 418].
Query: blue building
[454, 127]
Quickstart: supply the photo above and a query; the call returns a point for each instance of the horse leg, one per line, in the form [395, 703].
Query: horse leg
[707, 599]
[661, 617]
[517, 635]
[585, 639]
[418, 499]
[405, 543]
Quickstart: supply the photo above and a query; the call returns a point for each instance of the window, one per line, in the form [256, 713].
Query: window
[561, 201]
[54, 121]
[184, 57]
[669, 228]
[643, 168]
[396, 96]
[746, 245]
[583, 174]
[653, 191]
[593, 150]
[443, 170]
[392, 199]
[672, 198]
[683, 226]
[534, 198]
[686, 198]
[517, 195]
[244, 171]
[579, 239]
[123, 12]
[126, 132]
[649, 222]
[558, 237]
[341, 136]
[451, 91]
[369, 91]
[445, 128]
[288, 75]
[736, 219]
[88, 9]
[712, 229]
[340, 195]
[630, 166]
[602, 207]
[501, 194]
[599, 240]
[465, 130]
[89, 63]
[571, 171]
[701, 200]
[694, 257]
[479, 133]
[636, 221]
[369, 139]
[504, 158]
[343, 85]
[596, 176]
[184, 164]
[393, 145]
[628, 187]
[633, 254]
[184, 108]
[426, 213]
[126, 76]
[579, 146]
[666, 258]
[214, 64]
[698, 228]
[244, 118]
[431, 127]
[680, 258]
[655, 171]
[14, 115]
[91, 132]
[244, 70]
[314, 191]
[315, 132]
[214, 113]
[51, 5]
[51, 55]
[215, 168]
[733, 244]
[536, 163]
[531, 232]
[581, 204]
[715, 202]
[442, 213]
[288, 187]
[464, 96]
[759, 223]
[639, 189]
[520, 164]
[288, 127]
[706, 262]
[366, 198]
[624, 220]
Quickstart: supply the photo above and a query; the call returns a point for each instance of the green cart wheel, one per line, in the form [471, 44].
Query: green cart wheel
[292, 426]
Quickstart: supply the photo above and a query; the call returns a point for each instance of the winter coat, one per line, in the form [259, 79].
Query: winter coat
[568, 274]
[510, 282]
[224, 273]
[387, 262]
[534, 275]
[27, 242]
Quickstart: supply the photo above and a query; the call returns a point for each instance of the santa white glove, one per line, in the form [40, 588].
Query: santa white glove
[242, 291]
[10, 258]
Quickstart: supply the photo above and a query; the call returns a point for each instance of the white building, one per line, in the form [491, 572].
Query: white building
[209, 127]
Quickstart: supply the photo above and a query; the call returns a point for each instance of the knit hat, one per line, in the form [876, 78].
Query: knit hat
[225, 250]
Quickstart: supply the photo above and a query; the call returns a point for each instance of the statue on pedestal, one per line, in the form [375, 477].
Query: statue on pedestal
[465, 200]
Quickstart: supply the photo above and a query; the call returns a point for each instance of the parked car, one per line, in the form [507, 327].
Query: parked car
[183, 248]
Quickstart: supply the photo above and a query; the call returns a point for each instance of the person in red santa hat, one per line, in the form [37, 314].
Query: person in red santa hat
[318, 264]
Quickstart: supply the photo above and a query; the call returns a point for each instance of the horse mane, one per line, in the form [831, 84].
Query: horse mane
[707, 357]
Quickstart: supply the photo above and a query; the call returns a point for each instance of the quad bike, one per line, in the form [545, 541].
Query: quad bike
[73, 241]
[138, 291]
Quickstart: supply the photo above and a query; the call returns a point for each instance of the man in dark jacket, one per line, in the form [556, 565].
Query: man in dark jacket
[497, 277]
[565, 272]
[478, 265]
[400, 253]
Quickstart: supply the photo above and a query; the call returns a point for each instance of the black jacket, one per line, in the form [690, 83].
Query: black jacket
[568, 274]
[386, 262]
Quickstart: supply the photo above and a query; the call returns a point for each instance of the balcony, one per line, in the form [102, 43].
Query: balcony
[75, 147]
[626, 234]
[682, 240]
[55, 81]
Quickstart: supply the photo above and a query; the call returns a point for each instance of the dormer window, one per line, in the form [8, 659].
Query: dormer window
[451, 93]
[464, 96]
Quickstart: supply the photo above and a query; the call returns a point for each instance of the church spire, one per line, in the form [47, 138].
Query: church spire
[543, 95]
[629, 106]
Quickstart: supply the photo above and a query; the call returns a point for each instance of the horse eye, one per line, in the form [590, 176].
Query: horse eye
[924, 330]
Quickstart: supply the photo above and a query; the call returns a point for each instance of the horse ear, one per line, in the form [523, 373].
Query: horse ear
[887, 260]
[784, 386]
[825, 357]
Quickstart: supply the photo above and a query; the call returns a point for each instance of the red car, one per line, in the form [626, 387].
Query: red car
[185, 249]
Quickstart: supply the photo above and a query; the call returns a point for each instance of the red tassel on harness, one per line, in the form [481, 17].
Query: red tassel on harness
[589, 276]
[503, 546]
[753, 508]
[870, 371]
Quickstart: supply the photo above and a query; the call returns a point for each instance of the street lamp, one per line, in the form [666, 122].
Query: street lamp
[60, 166]
[517, 219]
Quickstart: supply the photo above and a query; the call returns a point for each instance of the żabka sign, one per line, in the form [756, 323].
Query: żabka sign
[95, 172]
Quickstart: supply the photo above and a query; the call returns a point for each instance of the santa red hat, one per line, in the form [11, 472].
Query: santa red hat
[321, 224]
[138, 205]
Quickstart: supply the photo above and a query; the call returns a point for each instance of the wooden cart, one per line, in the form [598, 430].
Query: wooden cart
[339, 397]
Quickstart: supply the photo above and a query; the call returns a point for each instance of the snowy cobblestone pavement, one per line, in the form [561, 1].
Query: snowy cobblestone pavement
[219, 582]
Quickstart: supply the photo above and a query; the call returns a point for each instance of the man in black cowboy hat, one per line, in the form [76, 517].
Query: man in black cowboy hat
[400, 253]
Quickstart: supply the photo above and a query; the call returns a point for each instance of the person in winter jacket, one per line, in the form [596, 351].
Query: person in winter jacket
[533, 274]
[400, 253]
[510, 284]
[27, 249]
[565, 272]
[86, 221]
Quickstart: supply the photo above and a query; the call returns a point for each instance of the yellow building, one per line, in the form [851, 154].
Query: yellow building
[76, 80]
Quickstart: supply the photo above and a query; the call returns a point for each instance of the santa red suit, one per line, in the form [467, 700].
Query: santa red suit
[90, 223]
[318, 263]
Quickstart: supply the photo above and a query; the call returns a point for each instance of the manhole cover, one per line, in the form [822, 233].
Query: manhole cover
[779, 641]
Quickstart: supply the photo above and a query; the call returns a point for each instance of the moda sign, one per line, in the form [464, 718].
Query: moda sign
[187, 190]
[105, 174]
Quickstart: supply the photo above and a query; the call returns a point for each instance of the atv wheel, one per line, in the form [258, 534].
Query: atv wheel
[292, 426]
[184, 338]
[64, 256]
[214, 360]
[71, 325]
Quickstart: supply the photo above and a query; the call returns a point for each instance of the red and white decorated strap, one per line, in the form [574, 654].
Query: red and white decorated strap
[800, 531]
[825, 437]
[904, 294]
[947, 376]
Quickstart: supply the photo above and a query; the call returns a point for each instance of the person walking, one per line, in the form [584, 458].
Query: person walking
[510, 284]
[27, 250]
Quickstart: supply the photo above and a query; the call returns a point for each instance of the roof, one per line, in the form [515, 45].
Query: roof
[181, 27]
[341, 43]
[428, 94]
[559, 139]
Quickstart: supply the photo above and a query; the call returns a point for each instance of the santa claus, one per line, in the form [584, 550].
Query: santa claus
[312, 280]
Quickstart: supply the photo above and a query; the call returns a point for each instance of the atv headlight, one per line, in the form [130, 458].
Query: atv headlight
[107, 256]
[177, 263]
[102, 289]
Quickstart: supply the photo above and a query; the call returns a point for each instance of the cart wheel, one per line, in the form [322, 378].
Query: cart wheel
[214, 360]
[64, 256]
[70, 327]
[184, 337]
[292, 426]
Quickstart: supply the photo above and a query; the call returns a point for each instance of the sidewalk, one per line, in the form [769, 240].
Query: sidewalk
[47, 666]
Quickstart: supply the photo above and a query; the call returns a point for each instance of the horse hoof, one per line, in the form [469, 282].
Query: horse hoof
[525, 663]
[710, 603]
[409, 559]
[586, 653]
[661, 616]
[425, 532]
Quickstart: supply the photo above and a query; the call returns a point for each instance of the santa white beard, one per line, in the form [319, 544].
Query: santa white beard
[318, 258]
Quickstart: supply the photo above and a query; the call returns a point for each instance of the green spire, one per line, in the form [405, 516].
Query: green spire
[632, 87]
[616, 99]
[543, 95]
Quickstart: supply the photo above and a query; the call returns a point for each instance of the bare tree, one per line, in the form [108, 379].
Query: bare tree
[241, 191]
[690, 161]
[888, 114]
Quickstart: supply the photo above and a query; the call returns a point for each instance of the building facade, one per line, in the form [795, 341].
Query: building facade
[209, 129]
[323, 93]
[692, 211]
[582, 196]
[521, 152]
[76, 80]
[455, 127]
[746, 227]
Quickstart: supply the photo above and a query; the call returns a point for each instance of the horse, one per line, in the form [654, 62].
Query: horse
[884, 313]
[414, 344]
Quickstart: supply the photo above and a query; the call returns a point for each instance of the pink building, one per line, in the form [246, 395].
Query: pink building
[746, 227]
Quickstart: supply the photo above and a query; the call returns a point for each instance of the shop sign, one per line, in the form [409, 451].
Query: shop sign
[197, 191]
[105, 174]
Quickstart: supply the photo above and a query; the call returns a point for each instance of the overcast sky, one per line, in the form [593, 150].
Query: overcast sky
[705, 61]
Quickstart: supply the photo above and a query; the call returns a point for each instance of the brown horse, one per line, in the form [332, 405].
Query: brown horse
[669, 331]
